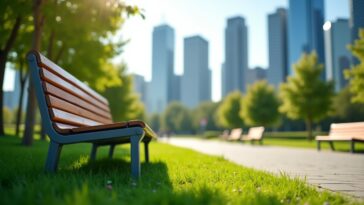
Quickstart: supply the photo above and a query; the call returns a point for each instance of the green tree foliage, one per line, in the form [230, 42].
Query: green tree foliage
[305, 95]
[205, 110]
[13, 14]
[176, 118]
[155, 122]
[8, 115]
[228, 112]
[124, 102]
[356, 74]
[78, 35]
[346, 110]
[260, 105]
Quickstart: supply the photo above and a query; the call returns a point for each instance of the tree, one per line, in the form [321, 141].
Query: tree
[305, 95]
[8, 115]
[260, 105]
[155, 122]
[346, 110]
[228, 111]
[12, 14]
[356, 74]
[205, 111]
[86, 49]
[176, 117]
[124, 103]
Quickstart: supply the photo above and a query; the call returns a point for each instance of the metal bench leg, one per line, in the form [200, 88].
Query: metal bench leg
[111, 151]
[54, 151]
[352, 146]
[146, 151]
[93, 152]
[332, 145]
[318, 145]
[135, 155]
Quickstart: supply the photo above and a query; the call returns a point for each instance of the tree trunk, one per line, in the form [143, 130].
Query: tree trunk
[3, 57]
[309, 129]
[31, 106]
[23, 79]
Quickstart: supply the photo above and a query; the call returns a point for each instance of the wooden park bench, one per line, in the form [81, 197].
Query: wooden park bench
[73, 113]
[235, 134]
[254, 134]
[346, 132]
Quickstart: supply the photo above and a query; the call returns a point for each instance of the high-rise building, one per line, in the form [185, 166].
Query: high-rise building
[176, 88]
[337, 38]
[305, 34]
[236, 55]
[277, 45]
[196, 79]
[356, 20]
[162, 68]
[255, 74]
[139, 86]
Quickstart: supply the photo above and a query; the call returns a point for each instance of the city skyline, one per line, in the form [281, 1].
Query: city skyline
[186, 17]
[333, 14]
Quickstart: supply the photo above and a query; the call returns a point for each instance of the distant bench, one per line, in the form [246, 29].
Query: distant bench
[344, 132]
[74, 113]
[255, 134]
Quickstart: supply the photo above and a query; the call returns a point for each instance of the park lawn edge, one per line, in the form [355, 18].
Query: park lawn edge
[174, 176]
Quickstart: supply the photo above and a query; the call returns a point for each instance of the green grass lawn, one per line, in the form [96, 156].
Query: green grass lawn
[174, 176]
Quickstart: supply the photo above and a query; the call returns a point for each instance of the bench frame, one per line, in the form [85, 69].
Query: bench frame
[110, 137]
[331, 143]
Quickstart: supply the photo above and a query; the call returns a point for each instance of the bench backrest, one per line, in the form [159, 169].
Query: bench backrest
[235, 133]
[349, 130]
[256, 132]
[70, 102]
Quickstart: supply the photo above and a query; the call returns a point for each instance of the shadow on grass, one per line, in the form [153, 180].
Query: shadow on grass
[154, 186]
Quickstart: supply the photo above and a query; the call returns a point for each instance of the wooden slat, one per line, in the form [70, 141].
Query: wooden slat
[71, 119]
[345, 125]
[54, 68]
[63, 128]
[55, 91]
[60, 83]
[117, 125]
[55, 102]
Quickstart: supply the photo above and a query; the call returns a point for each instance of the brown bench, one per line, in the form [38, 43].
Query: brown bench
[73, 113]
[254, 134]
[346, 132]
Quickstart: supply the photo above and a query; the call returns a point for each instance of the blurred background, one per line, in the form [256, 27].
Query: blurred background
[196, 67]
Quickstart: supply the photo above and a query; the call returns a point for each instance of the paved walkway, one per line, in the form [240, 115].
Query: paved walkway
[340, 172]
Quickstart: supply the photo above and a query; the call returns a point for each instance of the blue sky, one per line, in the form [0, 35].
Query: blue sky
[206, 18]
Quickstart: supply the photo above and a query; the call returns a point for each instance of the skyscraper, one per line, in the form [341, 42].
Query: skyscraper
[236, 55]
[356, 20]
[305, 34]
[162, 68]
[277, 45]
[337, 37]
[196, 79]
[139, 86]
[255, 74]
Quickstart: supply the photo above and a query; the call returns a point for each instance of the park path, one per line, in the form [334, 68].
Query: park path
[339, 172]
